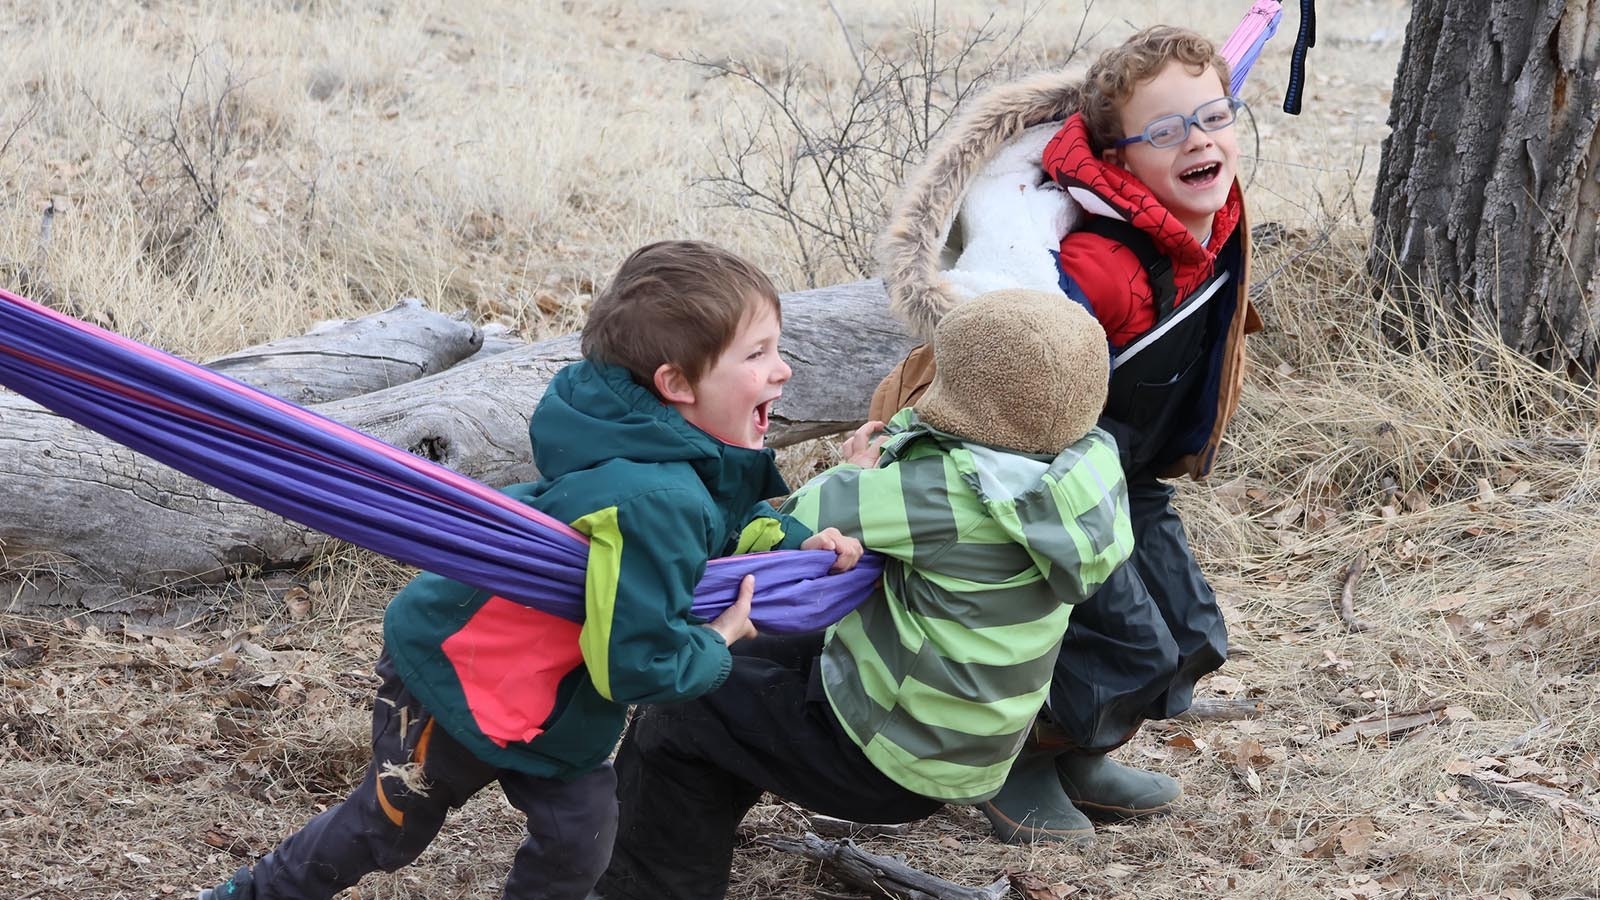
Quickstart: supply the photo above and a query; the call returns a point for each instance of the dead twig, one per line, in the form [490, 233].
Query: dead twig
[1509, 791]
[1347, 597]
[848, 43]
[883, 874]
[828, 826]
[1517, 743]
[1388, 725]
[22, 122]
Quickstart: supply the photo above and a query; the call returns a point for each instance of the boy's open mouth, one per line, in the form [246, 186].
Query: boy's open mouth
[1201, 175]
[763, 415]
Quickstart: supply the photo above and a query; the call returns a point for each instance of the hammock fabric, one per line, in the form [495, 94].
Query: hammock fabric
[315, 471]
[1243, 47]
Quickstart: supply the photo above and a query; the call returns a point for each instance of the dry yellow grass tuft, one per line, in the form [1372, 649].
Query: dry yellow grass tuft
[501, 158]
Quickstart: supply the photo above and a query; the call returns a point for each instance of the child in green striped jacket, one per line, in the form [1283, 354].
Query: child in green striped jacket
[999, 505]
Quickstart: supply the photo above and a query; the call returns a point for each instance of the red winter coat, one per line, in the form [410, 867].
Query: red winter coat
[1107, 277]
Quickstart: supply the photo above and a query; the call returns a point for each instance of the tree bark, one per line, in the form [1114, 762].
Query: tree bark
[1487, 201]
[85, 514]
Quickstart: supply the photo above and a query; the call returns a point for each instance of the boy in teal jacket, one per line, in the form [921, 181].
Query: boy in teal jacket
[654, 448]
[999, 506]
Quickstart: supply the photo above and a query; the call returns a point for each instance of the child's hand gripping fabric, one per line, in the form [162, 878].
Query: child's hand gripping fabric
[847, 548]
[734, 623]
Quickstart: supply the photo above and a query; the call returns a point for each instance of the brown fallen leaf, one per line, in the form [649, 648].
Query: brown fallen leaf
[1357, 837]
[1185, 742]
[1032, 887]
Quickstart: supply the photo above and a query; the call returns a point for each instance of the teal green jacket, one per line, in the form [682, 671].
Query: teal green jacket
[657, 497]
[937, 677]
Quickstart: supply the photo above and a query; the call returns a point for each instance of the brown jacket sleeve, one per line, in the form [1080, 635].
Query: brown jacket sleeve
[904, 384]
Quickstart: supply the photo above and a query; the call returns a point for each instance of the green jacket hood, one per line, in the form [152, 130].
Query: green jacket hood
[1025, 495]
[595, 412]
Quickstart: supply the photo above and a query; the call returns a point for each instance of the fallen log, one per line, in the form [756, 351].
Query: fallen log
[883, 875]
[349, 357]
[85, 514]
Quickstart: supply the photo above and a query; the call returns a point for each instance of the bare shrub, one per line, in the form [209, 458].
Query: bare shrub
[822, 158]
[184, 159]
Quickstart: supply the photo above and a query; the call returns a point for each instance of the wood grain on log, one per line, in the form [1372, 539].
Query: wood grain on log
[355, 356]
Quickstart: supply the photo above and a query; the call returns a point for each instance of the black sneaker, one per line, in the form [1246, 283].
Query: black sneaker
[235, 888]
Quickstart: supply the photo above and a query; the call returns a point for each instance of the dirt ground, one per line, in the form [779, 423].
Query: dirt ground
[501, 159]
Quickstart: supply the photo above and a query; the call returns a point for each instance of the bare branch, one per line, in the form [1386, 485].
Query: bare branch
[825, 163]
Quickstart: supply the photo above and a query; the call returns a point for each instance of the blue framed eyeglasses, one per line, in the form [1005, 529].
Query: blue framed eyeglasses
[1170, 131]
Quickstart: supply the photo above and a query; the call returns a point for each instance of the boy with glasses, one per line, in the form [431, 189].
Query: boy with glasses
[1161, 263]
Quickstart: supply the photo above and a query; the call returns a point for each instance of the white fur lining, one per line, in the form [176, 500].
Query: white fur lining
[1012, 219]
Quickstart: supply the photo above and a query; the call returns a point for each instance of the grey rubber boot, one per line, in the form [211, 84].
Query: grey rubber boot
[1031, 807]
[1108, 790]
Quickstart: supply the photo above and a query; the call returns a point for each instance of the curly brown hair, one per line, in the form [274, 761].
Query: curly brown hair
[1119, 71]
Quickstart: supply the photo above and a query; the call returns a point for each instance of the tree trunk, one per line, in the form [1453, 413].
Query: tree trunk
[1488, 192]
[84, 513]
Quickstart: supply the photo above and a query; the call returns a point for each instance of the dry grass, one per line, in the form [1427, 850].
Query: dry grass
[501, 159]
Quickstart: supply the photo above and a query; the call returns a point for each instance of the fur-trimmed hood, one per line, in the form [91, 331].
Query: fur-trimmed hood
[911, 245]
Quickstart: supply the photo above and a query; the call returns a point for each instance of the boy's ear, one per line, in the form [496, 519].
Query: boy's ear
[1112, 155]
[672, 385]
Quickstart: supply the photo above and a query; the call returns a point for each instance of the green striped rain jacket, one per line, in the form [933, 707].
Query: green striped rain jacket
[938, 676]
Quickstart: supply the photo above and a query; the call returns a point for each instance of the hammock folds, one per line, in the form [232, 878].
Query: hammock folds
[325, 475]
[1243, 47]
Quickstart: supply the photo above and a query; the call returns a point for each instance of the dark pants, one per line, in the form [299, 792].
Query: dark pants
[385, 825]
[1135, 649]
[688, 772]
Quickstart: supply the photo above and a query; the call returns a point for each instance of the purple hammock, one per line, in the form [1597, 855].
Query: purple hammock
[315, 471]
[327, 476]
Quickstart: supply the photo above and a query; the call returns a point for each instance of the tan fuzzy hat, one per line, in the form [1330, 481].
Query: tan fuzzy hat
[1023, 370]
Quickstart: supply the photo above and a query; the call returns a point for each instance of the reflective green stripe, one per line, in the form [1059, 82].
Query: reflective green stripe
[882, 507]
[600, 593]
[762, 534]
[1001, 644]
[950, 782]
